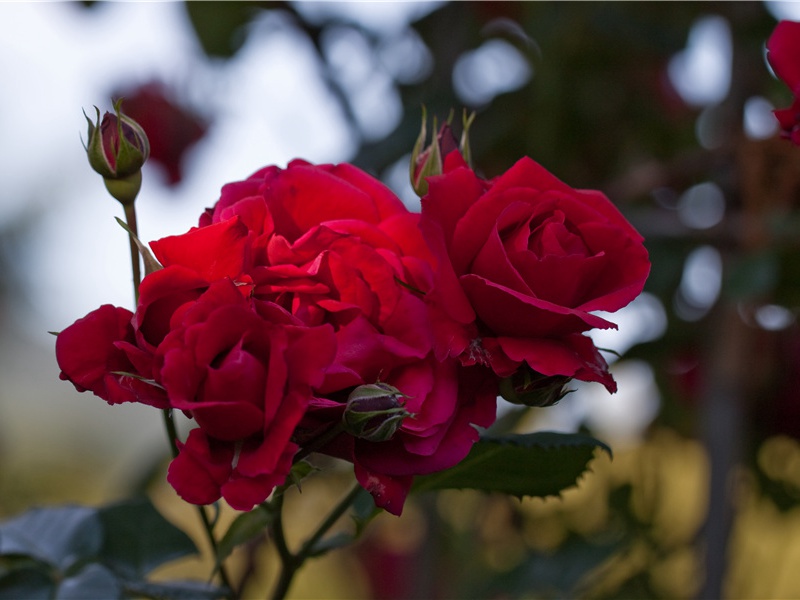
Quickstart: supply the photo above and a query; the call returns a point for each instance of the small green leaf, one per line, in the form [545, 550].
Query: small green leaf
[58, 536]
[535, 464]
[300, 470]
[364, 510]
[138, 539]
[244, 528]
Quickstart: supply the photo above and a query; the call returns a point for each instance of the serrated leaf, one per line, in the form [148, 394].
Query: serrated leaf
[535, 464]
[58, 536]
[174, 590]
[138, 539]
[94, 581]
[243, 529]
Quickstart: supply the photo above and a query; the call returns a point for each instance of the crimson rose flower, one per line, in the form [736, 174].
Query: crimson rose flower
[524, 262]
[332, 245]
[98, 353]
[244, 369]
[783, 54]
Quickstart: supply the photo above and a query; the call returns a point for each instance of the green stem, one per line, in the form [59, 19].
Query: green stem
[291, 563]
[169, 422]
[130, 219]
[172, 432]
[318, 443]
[172, 435]
[329, 522]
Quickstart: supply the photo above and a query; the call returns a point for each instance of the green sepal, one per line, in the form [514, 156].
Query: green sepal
[151, 265]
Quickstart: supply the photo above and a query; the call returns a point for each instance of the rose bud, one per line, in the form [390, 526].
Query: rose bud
[529, 388]
[428, 161]
[374, 412]
[117, 149]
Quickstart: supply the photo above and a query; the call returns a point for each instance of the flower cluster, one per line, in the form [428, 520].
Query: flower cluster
[783, 53]
[311, 291]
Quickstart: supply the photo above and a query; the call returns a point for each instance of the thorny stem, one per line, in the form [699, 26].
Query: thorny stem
[130, 218]
[291, 563]
[169, 422]
[318, 443]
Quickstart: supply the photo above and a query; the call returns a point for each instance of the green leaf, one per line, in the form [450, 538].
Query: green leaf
[94, 581]
[244, 528]
[300, 470]
[535, 464]
[557, 573]
[174, 590]
[364, 510]
[220, 26]
[138, 539]
[57, 536]
[31, 583]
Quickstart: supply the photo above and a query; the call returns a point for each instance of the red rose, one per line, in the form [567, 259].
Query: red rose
[524, 262]
[783, 54]
[245, 371]
[98, 353]
[334, 246]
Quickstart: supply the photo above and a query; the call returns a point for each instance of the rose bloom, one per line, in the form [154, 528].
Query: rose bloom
[524, 261]
[243, 369]
[332, 245]
[783, 53]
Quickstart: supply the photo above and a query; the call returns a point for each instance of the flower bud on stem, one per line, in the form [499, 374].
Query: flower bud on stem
[374, 412]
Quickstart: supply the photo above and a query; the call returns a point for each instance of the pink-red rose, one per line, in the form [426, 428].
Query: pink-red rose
[783, 54]
[524, 262]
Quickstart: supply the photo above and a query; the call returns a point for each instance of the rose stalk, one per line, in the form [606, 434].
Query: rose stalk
[117, 148]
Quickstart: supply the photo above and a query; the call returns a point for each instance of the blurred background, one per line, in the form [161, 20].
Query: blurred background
[666, 107]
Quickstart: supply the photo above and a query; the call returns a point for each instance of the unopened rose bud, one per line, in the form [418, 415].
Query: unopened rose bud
[374, 412]
[117, 149]
[428, 161]
[529, 388]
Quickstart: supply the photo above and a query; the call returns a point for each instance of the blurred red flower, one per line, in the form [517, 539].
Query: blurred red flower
[171, 127]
